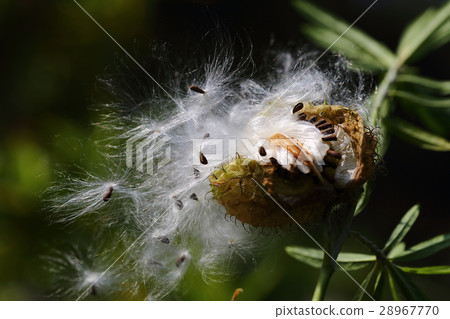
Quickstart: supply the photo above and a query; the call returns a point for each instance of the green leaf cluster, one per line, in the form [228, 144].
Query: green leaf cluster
[426, 100]
[425, 106]
[387, 264]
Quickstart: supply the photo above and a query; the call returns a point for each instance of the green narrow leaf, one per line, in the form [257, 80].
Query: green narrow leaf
[379, 285]
[422, 100]
[440, 87]
[429, 29]
[364, 198]
[438, 38]
[402, 228]
[416, 135]
[325, 37]
[395, 294]
[431, 270]
[379, 119]
[425, 249]
[309, 256]
[355, 43]
[373, 284]
[361, 290]
[396, 250]
[433, 120]
[313, 257]
[405, 284]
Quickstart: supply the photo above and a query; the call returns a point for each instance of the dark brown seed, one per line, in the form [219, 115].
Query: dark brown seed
[193, 196]
[164, 239]
[302, 116]
[180, 261]
[262, 151]
[196, 173]
[206, 135]
[329, 138]
[93, 290]
[179, 204]
[196, 89]
[156, 263]
[330, 161]
[324, 126]
[108, 194]
[334, 153]
[274, 162]
[327, 131]
[203, 159]
[320, 122]
[298, 107]
[312, 119]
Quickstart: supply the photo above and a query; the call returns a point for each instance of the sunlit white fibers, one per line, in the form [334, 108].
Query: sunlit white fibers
[183, 225]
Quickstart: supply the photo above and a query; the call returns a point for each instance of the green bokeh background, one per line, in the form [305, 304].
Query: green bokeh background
[51, 56]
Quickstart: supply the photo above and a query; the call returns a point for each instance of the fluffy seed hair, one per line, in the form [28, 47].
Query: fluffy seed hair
[216, 98]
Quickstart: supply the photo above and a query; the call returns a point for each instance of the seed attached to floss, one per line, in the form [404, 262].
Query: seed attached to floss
[206, 136]
[93, 290]
[196, 89]
[303, 184]
[324, 126]
[203, 159]
[180, 261]
[262, 151]
[334, 153]
[320, 122]
[196, 173]
[329, 138]
[327, 131]
[156, 263]
[179, 204]
[108, 194]
[163, 239]
[297, 108]
[274, 162]
[193, 196]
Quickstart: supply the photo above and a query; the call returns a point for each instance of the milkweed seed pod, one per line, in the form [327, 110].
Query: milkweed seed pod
[310, 157]
[172, 189]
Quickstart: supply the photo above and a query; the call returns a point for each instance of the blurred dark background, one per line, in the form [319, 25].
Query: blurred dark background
[51, 56]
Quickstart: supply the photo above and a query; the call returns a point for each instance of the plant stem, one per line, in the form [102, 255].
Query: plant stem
[336, 231]
[373, 248]
[383, 90]
[327, 269]
[324, 278]
[335, 239]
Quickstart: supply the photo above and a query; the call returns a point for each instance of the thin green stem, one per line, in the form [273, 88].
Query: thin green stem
[369, 244]
[383, 90]
[324, 279]
[336, 231]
